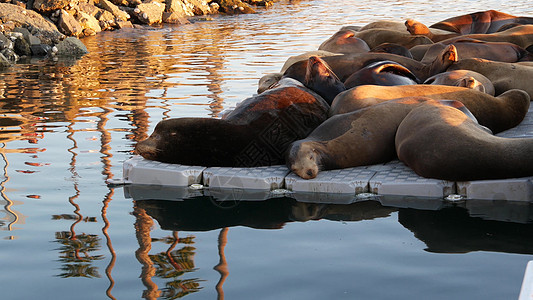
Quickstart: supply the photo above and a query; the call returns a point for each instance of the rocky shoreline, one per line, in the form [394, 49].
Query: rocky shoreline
[54, 27]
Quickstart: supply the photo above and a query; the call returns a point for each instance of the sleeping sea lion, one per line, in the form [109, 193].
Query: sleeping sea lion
[520, 35]
[504, 76]
[375, 37]
[464, 78]
[416, 28]
[470, 48]
[509, 107]
[256, 133]
[320, 78]
[359, 138]
[480, 22]
[392, 49]
[345, 65]
[382, 73]
[438, 141]
[344, 41]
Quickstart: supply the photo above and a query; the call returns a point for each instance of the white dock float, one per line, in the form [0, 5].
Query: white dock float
[138, 170]
[526, 292]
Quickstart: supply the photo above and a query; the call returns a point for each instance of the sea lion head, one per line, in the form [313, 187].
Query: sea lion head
[320, 78]
[304, 159]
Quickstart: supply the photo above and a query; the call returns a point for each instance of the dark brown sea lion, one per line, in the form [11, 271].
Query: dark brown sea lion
[509, 107]
[464, 78]
[438, 141]
[504, 76]
[320, 78]
[345, 65]
[256, 133]
[344, 41]
[480, 22]
[392, 49]
[470, 48]
[382, 73]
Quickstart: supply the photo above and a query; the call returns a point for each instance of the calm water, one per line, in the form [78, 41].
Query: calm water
[67, 126]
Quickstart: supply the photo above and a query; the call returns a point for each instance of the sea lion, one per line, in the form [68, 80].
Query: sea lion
[375, 37]
[320, 78]
[480, 22]
[256, 133]
[382, 24]
[519, 35]
[470, 48]
[504, 76]
[416, 28]
[345, 65]
[392, 49]
[509, 107]
[362, 137]
[344, 41]
[438, 141]
[464, 78]
[382, 73]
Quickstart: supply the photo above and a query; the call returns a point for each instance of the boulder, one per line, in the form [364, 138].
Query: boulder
[5, 42]
[71, 46]
[235, 7]
[174, 18]
[150, 12]
[46, 6]
[89, 24]
[21, 46]
[4, 62]
[38, 26]
[112, 8]
[106, 20]
[179, 8]
[68, 25]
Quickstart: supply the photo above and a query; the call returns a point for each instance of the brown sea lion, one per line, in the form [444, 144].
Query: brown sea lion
[375, 37]
[464, 78]
[480, 22]
[470, 48]
[344, 41]
[520, 35]
[504, 76]
[362, 137]
[321, 79]
[392, 49]
[382, 73]
[345, 65]
[359, 138]
[416, 28]
[438, 141]
[510, 107]
[382, 24]
[256, 133]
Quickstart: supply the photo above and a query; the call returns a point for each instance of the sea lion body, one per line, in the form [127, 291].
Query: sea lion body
[378, 36]
[504, 76]
[509, 107]
[392, 49]
[464, 78]
[362, 137]
[345, 65]
[519, 35]
[382, 73]
[483, 22]
[256, 133]
[344, 41]
[438, 141]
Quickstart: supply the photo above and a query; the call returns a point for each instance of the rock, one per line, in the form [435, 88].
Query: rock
[235, 7]
[89, 9]
[71, 46]
[178, 7]
[22, 47]
[46, 6]
[174, 18]
[112, 8]
[68, 24]
[199, 7]
[4, 62]
[40, 49]
[106, 20]
[10, 55]
[5, 42]
[88, 23]
[124, 24]
[149, 13]
[45, 30]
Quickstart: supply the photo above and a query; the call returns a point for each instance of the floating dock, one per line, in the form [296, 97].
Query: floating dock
[344, 185]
